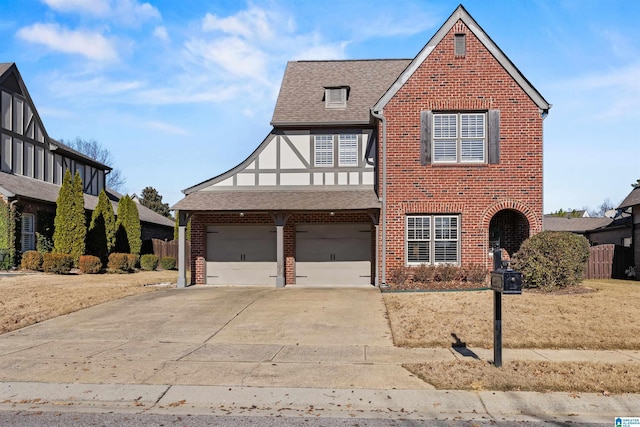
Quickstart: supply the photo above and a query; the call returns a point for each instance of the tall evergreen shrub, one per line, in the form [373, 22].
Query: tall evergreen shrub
[101, 238]
[70, 222]
[128, 234]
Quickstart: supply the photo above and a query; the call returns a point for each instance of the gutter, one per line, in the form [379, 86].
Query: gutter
[383, 199]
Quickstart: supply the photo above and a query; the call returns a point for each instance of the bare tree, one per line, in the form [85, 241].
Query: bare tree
[95, 150]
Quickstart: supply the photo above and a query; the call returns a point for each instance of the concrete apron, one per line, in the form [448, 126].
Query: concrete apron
[240, 336]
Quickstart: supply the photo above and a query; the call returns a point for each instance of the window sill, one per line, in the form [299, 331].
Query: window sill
[459, 165]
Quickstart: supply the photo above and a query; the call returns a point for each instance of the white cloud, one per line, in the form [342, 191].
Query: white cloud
[161, 33]
[166, 128]
[98, 87]
[617, 91]
[92, 7]
[247, 51]
[128, 12]
[89, 44]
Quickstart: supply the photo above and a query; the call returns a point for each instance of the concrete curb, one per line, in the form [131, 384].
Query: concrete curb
[331, 403]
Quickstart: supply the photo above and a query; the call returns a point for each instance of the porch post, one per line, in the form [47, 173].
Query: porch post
[280, 219]
[182, 237]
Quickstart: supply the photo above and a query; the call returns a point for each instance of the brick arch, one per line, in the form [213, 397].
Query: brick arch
[535, 223]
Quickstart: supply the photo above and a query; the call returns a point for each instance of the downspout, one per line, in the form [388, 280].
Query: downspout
[383, 199]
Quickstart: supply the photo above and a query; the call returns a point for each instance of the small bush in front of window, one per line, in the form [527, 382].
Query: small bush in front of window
[168, 263]
[474, 273]
[446, 273]
[424, 273]
[57, 263]
[149, 262]
[89, 264]
[399, 275]
[31, 260]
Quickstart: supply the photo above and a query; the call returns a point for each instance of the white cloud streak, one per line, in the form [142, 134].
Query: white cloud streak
[127, 12]
[91, 45]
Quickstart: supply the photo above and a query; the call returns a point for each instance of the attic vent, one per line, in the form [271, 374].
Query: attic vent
[460, 45]
[335, 97]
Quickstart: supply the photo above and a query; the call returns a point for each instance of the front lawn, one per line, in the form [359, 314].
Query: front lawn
[605, 319]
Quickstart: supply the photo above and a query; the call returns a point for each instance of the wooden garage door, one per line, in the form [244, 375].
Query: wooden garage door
[333, 254]
[241, 255]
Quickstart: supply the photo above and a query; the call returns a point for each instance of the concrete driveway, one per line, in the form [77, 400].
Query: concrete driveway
[265, 337]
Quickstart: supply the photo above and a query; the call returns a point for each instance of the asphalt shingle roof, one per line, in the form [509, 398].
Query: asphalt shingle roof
[279, 200]
[632, 199]
[301, 98]
[575, 225]
[16, 185]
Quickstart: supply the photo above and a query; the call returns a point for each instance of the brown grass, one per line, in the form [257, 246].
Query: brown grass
[531, 376]
[30, 298]
[608, 318]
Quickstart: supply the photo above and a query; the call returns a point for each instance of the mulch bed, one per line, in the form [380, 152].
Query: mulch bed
[434, 286]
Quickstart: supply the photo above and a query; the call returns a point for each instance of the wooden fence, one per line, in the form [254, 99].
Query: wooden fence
[608, 262]
[170, 248]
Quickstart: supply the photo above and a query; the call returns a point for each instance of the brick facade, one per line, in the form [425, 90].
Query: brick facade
[508, 193]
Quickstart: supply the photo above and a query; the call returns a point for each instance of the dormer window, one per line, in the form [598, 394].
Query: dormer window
[336, 97]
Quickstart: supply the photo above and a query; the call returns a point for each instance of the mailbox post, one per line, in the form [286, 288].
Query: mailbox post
[503, 281]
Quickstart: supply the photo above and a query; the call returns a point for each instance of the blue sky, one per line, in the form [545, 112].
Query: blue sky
[181, 91]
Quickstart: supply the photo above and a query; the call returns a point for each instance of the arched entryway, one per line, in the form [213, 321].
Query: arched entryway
[508, 229]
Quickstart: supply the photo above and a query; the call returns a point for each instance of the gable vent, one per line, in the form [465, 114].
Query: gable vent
[335, 97]
[460, 44]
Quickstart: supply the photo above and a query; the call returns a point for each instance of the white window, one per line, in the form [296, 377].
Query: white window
[348, 150]
[28, 232]
[323, 150]
[432, 239]
[459, 138]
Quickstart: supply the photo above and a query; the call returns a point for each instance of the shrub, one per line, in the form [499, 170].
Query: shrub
[399, 275]
[90, 264]
[149, 262]
[120, 263]
[168, 263]
[31, 260]
[57, 263]
[552, 259]
[132, 259]
[475, 273]
[6, 262]
[423, 273]
[446, 273]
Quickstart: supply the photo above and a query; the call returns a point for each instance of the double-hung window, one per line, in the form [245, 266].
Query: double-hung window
[433, 239]
[348, 150]
[459, 138]
[323, 150]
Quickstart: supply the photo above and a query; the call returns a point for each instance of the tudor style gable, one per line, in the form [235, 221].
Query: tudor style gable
[26, 150]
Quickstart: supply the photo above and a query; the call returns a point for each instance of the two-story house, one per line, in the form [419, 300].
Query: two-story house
[373, 165]
[32, 166]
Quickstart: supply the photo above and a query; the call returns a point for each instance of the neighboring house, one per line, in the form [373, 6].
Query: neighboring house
[32, 166]
[598, 230]
[632, 201]
[374, 165]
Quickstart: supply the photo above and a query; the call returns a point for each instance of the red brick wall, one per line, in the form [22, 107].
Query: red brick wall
[200, 221]
[475, 82]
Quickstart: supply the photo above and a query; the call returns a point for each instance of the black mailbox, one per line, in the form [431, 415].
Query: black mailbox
[506, 281]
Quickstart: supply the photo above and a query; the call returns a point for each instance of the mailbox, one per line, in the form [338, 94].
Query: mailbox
[506, 281]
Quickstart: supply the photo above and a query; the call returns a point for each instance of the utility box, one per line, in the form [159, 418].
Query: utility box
[506, 281]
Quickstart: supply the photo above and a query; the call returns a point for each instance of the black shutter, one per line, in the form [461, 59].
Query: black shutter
[494, 136]
[426, 120]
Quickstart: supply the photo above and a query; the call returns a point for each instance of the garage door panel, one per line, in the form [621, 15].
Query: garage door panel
[241, 254]
[240, 273]
[333, 254]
